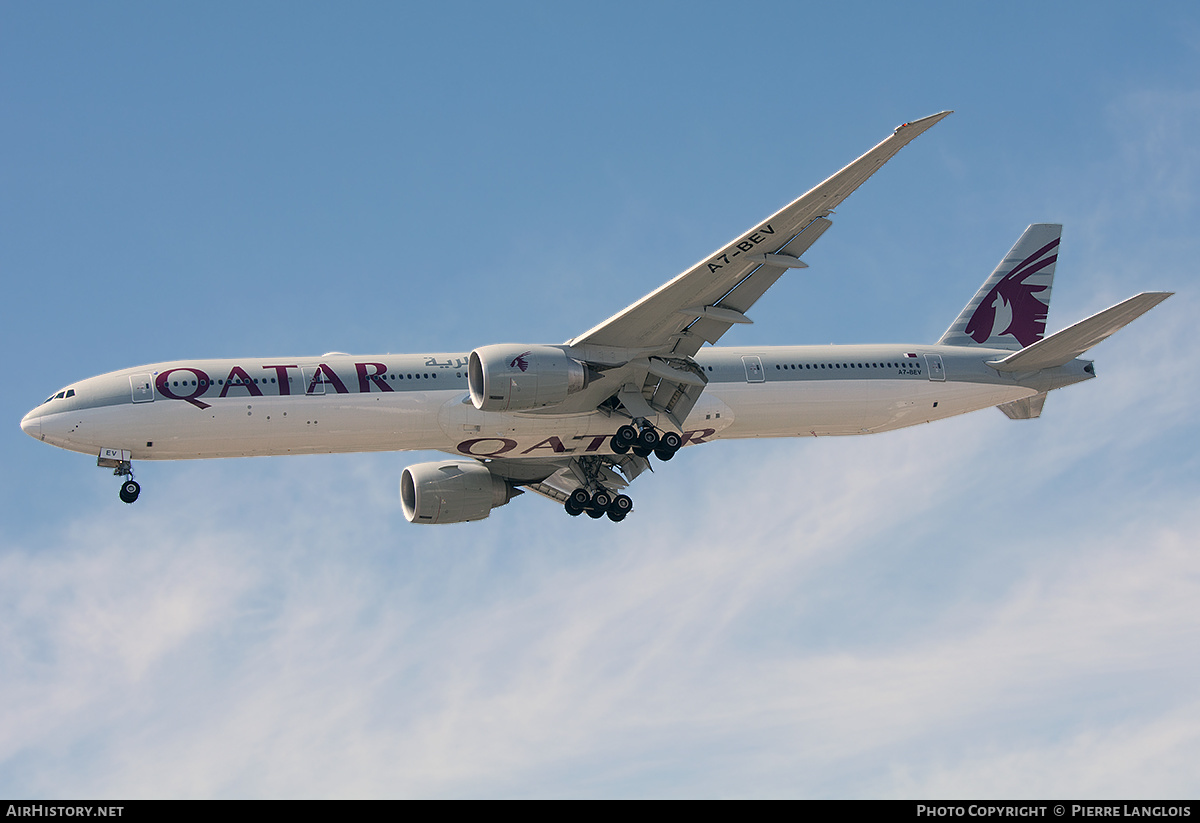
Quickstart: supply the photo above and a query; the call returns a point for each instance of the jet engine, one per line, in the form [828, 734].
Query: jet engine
[509, 377]
[452, 491]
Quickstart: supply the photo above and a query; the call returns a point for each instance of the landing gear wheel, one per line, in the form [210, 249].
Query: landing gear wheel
[573, 508]
[648, 439]
[664, 454]
[595, 514]
[626, 436]
[579, 499]
[621, 505]
[616, 518]
[129, 491]
[601, 500]
[671, 441]
[619, 448]
[642, 452]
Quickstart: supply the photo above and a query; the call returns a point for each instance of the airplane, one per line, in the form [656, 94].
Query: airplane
[577, 422]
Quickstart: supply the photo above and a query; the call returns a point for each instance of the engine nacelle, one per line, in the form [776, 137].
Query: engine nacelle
[452, 491]
[508, 377]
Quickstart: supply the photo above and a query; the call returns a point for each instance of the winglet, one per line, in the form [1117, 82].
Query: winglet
[1064, 346]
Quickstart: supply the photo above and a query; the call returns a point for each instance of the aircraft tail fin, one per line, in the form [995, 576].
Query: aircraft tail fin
[1009, 310]
[1064, 346]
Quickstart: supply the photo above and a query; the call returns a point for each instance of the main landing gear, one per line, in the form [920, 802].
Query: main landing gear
[597, 501]
[598, 504]
[646, 442]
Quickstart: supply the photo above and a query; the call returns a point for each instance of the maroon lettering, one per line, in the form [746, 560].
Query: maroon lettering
[245, 382]
[333, 379]
[285, 386]
[163, 384]
[697, 436]
[597, 441]
[472, 447]
[378, 377]
[551, 442]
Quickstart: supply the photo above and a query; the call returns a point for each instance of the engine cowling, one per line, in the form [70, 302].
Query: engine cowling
[508, 377]
[451, 491]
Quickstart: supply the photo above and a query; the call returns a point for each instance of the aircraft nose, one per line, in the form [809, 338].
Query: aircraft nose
[31, 424]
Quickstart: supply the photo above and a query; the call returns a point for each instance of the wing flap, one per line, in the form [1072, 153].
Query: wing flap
[754, 285]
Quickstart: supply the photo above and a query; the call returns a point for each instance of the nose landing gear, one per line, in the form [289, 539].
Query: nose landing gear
[118, 461]
[130, 491]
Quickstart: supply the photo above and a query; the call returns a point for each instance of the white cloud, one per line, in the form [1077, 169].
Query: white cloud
[739, 639]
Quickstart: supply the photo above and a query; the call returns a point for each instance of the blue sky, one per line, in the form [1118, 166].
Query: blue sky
[976, 608]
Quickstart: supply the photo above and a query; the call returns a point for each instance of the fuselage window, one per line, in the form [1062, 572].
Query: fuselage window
[70, 392]
[60, 395]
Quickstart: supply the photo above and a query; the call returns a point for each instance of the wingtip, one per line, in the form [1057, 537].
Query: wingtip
[924, 123]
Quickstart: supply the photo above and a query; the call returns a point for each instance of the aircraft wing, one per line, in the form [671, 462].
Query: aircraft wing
[679, 317]
[645, 350]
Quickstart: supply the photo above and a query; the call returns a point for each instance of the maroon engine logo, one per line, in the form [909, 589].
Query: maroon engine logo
[519, 362]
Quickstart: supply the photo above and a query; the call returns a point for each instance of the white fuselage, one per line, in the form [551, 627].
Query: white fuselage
[349, 403]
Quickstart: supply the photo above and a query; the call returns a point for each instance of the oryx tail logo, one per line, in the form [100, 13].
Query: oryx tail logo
[519, 362]
[1010, 307]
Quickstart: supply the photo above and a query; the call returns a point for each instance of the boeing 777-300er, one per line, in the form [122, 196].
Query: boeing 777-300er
[577, 421]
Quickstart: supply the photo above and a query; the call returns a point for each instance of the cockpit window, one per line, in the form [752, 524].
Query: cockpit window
[60, 395]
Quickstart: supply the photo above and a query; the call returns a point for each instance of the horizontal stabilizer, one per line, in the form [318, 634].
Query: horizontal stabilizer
[1026, 408]
[1066, 345]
